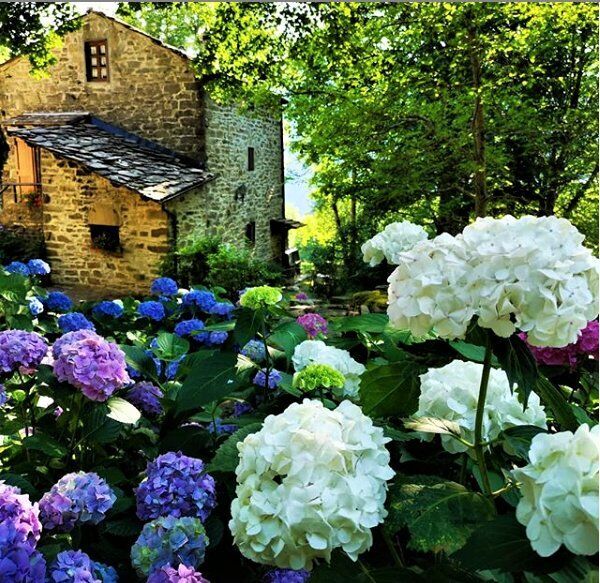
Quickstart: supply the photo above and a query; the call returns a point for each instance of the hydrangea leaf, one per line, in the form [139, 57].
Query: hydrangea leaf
[45, 444]
[370, 323]
[99, 427]
[287, 336]
[227, 456]
[391, 389]
[556, 402]
[433, 425]
[248, 323]
[518, 439]
[124, 527]
[138, 360]
[439, 514]
[122, 411]
[170, 347]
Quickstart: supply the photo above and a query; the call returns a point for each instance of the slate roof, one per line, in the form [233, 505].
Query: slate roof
[119, 156]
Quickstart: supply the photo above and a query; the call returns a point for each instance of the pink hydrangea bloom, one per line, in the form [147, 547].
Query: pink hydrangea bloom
[313, 324]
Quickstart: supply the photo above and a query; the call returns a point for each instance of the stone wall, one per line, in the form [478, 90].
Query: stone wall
[151, 90]
[144, 233]
[237, 196]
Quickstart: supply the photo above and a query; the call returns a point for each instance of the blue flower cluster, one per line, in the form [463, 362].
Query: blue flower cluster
[222, 309]
[201, 299]
[254, 350]
[57, 302]
[219, 428]
[260, 379]
[152, 310]
[35, 307]
[77, 498]
[74, 321]
[175, 485]
[216, 338]
[32, 267]
[169, 541]
[146, 397]
[287, 576]
[19, 348]
[191, 328]
[3, 395]
[164, 286]
[76, 566]
[109, 309]
[240, 409]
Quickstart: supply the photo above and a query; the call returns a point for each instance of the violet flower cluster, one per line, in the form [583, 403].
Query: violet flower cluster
[175, 485]
[313, 324]
[260, 379]
[77, 566]
[77, 498]
[169, 541]
[74, 321]
[19, 348]
[93, 365]
[219, 428]
[183, 574]
[146, 397]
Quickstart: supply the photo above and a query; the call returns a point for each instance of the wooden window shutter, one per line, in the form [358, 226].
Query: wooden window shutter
[27, 167]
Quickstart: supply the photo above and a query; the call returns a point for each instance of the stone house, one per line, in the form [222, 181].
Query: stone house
[118, 155]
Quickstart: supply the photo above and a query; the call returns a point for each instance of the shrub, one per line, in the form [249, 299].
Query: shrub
[19, 244]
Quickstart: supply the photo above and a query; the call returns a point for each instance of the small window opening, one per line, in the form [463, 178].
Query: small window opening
[96, 60]
[251, 232]
[105, 237]
[250, 159]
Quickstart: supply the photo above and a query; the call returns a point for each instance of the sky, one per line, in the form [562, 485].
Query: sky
[297, 186]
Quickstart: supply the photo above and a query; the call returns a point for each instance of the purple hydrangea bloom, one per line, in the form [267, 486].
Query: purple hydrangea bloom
[70, 338]
[183, 574]
[20, 348]
[17, 267]
[169, 541]
[77, 498]
[240, 409]
[58, 411]
[94, 366]
[313, 324]
[153, 310]
[38, 267]
[216, 338]
[73, 567]
[74, 321]
[108, 308]
[175, 485]
[146, 397]
[254, 350]
[260, 379]
[222, 309]
[204, 300]
[287, 576]
[190, 328]
[22, 564]
[35, 307]
[19, 522]
[301, 296]
[219, 428]
[58, 302]
[164, 286]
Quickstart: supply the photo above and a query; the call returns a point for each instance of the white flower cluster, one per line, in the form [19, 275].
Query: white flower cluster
[317, 352]
[391, 242]
[531, 274]
[451, 393]
[560, 492]
[311, 480]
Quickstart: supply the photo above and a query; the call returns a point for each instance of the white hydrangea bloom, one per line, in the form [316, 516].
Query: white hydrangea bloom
[391, 242]
[429, 290]
[311, 480]
[451, 393]
[560, 492]
[317, 352]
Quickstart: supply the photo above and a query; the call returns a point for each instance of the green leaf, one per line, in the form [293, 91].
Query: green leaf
[499, 544]
[556, 402]
[213, 379]
[287, 336]
[227, 456]
[440, 515]
[100, 428]
[122, 411]
[518, 439]
[45, 444]
[190, 440]
[518, 363]
[170, 347]
[18, 481]
[125, 527]
[391, 389]
[397, 435]
[248, 323]
[433, 425]
[369, 323]
[471, 351]
[139, 361]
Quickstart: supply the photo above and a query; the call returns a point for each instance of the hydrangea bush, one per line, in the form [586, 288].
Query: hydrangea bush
[180, 436]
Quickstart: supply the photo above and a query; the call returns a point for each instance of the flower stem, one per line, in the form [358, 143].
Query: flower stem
[392, 547]
[479, 444]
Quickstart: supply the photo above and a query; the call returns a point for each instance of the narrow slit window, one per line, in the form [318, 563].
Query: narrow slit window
[96, 60]
[251, 232]
[250, 159]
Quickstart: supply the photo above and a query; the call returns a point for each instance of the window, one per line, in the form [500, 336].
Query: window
[250, 159]
[96, 60]
[105, 237]
[251, 232]
[28, 169]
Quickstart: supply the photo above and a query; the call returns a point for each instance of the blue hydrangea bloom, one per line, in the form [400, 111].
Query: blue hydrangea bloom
[153, 310]
[38, 267]
[58, 302]
[105, 573]
[77, 498]
[169, 541]
[175, 485]
[222, 309]
[240, 409]
[74, 321]
[204, 300]
[108, 308]
[216, 338]
[146, 397]
[22, 564]
[171, 368]
[17, 267]
[287, 576]
[188, 327]
[254, 350]
[35, 307]
[77, 567]
[219, 428]
[260, 379]
[164, 286]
